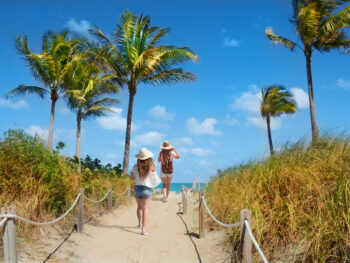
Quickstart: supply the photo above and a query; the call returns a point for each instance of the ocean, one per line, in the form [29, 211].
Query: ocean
[177, 187]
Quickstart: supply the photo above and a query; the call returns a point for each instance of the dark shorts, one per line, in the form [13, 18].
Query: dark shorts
[141, 191]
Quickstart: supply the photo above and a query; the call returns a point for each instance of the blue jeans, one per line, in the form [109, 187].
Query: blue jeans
[142, 191]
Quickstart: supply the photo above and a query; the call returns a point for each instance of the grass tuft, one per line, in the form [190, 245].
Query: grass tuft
[300, 201]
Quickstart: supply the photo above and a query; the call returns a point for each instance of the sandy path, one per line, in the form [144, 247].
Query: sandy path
[115, 238]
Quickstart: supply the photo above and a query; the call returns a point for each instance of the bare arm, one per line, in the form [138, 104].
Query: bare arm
[132, 176]
[177, 155]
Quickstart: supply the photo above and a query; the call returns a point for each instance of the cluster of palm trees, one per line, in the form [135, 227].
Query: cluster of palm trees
[87, 72]
[320, 26]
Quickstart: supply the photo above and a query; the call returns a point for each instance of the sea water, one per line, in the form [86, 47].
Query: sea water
[177, 187]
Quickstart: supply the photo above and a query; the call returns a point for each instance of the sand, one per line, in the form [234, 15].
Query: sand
[115, 238]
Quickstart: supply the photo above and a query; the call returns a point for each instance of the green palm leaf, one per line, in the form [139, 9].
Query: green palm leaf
[27, 90]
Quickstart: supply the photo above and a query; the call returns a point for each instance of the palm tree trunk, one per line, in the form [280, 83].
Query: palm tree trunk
[128, 132]
[52, 116]
[269, 136]
[314, 127]
[77, 149]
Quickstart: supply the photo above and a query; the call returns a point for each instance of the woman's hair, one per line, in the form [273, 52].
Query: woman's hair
[144, 166]
[166, 154]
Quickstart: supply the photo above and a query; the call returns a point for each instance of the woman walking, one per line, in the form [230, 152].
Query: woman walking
[146, 178]
[165, 157]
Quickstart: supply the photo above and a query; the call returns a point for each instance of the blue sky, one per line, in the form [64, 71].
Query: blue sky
[213, 122]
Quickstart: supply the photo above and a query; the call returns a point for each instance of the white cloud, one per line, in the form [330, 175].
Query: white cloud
[63, 110]
[160, 113]
[183, 150]
[115, 121]
[204, 164]
[230, 121]
[111, 156]
[261, 123]
[21, 104]
[36, 130]
[202, 152]
[230, 42]
[206, 127]
[342, 83]
[301, 98]
[152, 138]
[182, 141]
[81, 27]
[248, 101]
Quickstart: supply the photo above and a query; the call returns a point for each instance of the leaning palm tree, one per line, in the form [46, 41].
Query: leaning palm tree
[135, 56]
[319, 25]
[48, 67]
[86, 94]
[275, 101]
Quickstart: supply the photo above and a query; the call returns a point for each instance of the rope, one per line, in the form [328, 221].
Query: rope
[217, 221]
[5, 216]
[254, 241]
[124, 191]
[3, 222]
[188, 200]
[97, 201]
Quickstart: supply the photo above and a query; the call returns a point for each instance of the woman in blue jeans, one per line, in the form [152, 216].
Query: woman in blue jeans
[142, 172]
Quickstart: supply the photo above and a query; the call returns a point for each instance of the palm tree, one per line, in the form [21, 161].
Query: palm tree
[87, 92]
[135, 56]
[48, 67]
[275, 100]
[319, 25]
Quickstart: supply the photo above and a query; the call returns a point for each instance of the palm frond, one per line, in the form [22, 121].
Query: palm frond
[337, 21]
[280, 40]
[26, 90]
[170, 76]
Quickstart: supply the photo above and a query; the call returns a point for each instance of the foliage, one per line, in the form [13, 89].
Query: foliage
[299, 201]
[135, 55]
[43, 184]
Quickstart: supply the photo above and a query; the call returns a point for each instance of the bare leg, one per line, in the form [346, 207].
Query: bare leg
[164, 182]
[168, 185]
[146, 202]
[139, 209]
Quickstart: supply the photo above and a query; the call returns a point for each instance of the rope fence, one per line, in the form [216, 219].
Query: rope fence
[8, 217]
[97, 201]
[247, 238]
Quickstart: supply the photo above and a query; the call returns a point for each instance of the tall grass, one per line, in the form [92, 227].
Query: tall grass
[43, 184]
[300, 201]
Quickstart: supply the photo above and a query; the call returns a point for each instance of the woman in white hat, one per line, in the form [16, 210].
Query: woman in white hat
[165, 157]
[146, 178]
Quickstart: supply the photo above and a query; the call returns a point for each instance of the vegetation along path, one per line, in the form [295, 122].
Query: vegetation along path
[115, 238]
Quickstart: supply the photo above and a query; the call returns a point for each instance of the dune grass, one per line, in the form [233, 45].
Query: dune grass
[42, 184]
[300, 201]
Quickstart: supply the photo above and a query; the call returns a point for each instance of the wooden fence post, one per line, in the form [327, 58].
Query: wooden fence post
[199, 186]
[246, 241]
[12, 236]
[184, 201]
[201, 216]
[80, 219]
[5, 239]
[110, 200]
[194, 187]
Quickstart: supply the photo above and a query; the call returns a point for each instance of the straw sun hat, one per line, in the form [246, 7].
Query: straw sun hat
[166, 146]
[144, 154]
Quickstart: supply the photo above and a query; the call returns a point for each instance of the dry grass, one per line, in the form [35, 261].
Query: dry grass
[299, 201]
[43, 185]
